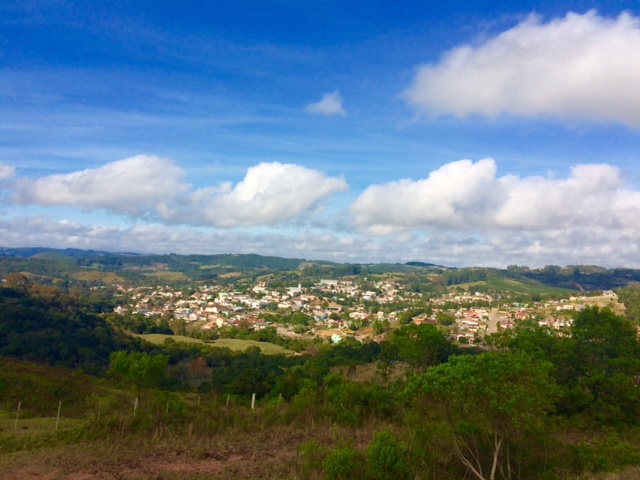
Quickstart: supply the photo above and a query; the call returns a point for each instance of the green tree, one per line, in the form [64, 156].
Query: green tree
[603, 366]
[422, 346]
[490, 401]
[139, 368]
[446, 319]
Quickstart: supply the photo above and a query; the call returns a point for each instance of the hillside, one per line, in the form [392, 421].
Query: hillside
[43, 324]
[79, 267]
[562, 404]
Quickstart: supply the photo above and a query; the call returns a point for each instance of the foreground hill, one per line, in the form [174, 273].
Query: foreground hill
[540, 404]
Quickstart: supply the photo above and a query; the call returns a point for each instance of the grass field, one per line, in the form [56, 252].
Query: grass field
[93, 276]
[168, 276]
[242, 345]
[159, 338]
[32, 426]
[230, 343]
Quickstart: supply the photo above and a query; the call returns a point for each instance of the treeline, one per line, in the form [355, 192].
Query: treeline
[583, 278]
[576, 278]
[43, 324]
[46, 270]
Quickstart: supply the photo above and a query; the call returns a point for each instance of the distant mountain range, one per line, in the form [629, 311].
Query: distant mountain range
[96, 266]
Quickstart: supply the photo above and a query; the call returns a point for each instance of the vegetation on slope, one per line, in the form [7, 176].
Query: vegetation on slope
[80, 267]
[536, 406]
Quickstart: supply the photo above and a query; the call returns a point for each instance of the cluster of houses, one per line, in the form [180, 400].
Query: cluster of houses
[342, 308]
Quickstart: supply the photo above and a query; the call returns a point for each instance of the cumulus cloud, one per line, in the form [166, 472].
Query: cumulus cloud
[329, 104]
[580, 66]
[6, 171]
[463, 196]
[153, 188]
[269, 194]
[453, 195]
[135, 186]
[460, 214]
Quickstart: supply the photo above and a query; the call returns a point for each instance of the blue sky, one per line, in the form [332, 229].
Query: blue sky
[470, 133]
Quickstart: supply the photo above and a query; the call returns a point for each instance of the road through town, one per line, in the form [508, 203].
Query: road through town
[492, 322]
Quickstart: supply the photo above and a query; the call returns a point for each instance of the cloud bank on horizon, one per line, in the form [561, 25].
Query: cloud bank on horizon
[591, 213]
[319, 192]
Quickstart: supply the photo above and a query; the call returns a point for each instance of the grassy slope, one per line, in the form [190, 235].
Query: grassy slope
[159, 338]
[40, 388]
[230, 343]
[209, 439]
[514, 286]
[242, 345]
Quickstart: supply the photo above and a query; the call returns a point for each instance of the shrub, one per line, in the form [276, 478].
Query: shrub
[343, 463]
[311, 454]
[384, 458]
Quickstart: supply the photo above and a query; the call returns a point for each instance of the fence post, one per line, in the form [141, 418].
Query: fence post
[58, 417]
[253, 401]
[15, 426]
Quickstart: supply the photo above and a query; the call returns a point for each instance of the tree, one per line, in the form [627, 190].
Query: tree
[604, 365]
[18, 282]
[445, 319]
[139, 368]
[198, 373]
[490, 401]
[422, 346]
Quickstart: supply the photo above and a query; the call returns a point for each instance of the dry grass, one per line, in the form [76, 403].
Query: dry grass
[629, 473]
[231, 275]
[271, 454]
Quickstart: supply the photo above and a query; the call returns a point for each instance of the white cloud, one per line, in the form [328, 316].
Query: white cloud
[153, 188]
[6, 171]
[329, 104]
[460, 214]
[564, 246]
[135, 186]
[579, 66]
[453, 195]
[467, 196]
[269, 194]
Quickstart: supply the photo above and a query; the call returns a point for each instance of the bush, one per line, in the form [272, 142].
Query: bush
[311, 454]
[343, 464]
[384, 458]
